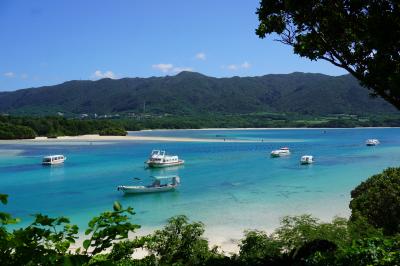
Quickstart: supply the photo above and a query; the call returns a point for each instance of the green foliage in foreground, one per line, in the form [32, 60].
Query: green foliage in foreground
[181, 243]
[300, 240]
[378, 200]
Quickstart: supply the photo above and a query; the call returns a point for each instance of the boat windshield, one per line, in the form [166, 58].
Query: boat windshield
[47, 160]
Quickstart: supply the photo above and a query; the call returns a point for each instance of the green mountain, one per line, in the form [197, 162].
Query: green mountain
[193, 93]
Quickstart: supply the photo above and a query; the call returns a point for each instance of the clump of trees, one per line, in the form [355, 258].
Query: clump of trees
[112, 131]
[29, 127]
[362, 37]
[370, 237]
[378, 200]
[10, 131]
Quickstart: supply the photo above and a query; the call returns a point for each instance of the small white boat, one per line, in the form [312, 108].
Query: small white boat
[281, 152]
[159, 158]
[306, 159]
[170, 183]
[372, 142]
[53, 159]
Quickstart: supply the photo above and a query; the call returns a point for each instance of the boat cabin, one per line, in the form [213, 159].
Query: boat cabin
[281, 152]
[53, 159]
[160, 181]
[159, 158]
[160, 184]
[372, 142]
[307, 159]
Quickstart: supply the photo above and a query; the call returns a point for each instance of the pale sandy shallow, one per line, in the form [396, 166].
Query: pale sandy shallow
[88, 139]
[96, 139]
[226, 239]
[145, 138]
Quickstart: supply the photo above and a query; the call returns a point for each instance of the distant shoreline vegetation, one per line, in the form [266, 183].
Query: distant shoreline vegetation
[26, 127]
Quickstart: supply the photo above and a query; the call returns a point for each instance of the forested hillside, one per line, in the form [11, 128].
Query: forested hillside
[192, 93]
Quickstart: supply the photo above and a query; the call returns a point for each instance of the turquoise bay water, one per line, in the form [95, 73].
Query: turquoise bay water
[225, 185]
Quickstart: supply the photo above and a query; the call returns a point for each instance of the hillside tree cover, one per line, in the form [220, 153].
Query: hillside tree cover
[190, 93]
[360, 36]
[378, 200]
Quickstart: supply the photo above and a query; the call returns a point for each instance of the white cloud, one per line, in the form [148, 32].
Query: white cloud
[24, 76]
[235, 67]
[9, 74]
[170, 68]
[232, 67]
[100, 75]
[180, 69]
[246, 65]
[201, 56]
[163, 67]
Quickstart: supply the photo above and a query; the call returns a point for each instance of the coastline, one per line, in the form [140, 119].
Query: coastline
[87, 139]
[81, 139]
[225, 237]
[260, 128]
[227, 243]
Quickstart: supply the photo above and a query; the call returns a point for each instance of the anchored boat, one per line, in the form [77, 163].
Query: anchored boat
[159, 158]
[53, 159]
[160, 184]
[372, 142]
[306, 159]
[281, 152]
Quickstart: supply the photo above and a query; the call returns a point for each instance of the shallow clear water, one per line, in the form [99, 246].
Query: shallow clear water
[226, 184]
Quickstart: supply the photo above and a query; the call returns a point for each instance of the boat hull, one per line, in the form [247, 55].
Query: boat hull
[53, 163]
[275, 155]
[162, 165]
[143, 189]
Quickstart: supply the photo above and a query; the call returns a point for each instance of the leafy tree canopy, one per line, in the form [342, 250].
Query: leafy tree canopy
[360, 36]
[378, 201]
[181, 243]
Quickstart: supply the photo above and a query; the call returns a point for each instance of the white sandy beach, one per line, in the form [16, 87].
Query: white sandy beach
[142, 138]
[89, 139]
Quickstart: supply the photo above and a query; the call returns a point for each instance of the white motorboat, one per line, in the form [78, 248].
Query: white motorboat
[372, 142]
[159, 158]
[306, 159]
[281, 152]
[160, 184]
[53, 159]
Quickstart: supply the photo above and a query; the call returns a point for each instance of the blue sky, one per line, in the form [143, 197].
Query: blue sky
[49, 42]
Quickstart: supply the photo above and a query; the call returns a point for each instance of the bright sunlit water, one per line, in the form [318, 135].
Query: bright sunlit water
[225, 185]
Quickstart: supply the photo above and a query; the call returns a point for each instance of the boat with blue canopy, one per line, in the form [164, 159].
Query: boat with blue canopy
[160, 184]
